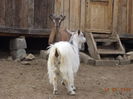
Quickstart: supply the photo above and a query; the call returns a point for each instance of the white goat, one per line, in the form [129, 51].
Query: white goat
[64, 61]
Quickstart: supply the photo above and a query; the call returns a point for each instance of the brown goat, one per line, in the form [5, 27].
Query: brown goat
[58, 34]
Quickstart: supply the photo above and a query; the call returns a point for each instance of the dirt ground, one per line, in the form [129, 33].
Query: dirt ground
[19, 81]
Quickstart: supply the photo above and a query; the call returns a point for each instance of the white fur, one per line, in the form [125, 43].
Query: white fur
[66, 64]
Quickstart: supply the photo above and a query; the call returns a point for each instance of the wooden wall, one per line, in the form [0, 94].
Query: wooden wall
[26, 13]
[97, 15]
[71, 9]
[87, 15]
[123, 15]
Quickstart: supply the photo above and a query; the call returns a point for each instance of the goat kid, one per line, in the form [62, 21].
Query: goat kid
[64, 62]
[58, 33]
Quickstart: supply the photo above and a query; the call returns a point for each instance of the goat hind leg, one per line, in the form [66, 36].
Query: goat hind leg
[54, 81]
[70, 84]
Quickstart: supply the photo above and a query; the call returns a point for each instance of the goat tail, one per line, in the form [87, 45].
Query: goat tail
[56, 52]
[54, 55]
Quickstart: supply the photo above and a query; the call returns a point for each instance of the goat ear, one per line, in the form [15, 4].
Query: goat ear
[62, 17]
[78, 32]
[51, 16]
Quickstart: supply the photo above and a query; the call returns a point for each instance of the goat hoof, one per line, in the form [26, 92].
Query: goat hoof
[55, 92]
[62, 82]
[74, 88]
[72, 93]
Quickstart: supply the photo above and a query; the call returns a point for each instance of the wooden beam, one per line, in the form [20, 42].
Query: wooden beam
[19, 31]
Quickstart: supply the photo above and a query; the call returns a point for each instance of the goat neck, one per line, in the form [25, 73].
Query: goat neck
[74, 43]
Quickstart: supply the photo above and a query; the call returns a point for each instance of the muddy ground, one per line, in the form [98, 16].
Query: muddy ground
[19, 81]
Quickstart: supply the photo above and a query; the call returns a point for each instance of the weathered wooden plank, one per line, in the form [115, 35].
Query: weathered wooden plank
[50, 10]
[2, 12]
[66, 7]
[115, 16]
[74, 14]
[40, 12]
[110, 15]
[30, 13]
[17, 15]
[92, 47]
[87, 15]
[59, 7]
[9, 12]
[21, 13]
[122, 17]
[11, 30]
[99, 0]
[98, 30]
[130, 16]
[82, 15]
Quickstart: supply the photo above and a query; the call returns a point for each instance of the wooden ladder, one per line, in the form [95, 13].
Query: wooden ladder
[104, 44]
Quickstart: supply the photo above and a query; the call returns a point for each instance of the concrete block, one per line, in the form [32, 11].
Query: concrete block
[18, 54]
[18, 43]
[124, 61]
[106, 62]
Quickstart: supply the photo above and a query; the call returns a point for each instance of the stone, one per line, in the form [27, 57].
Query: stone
[119, 57]
[106, 62]
[129, 55]
[124, 61]
[19, 54]
[18, 43]
[25, 63]
[29, 57]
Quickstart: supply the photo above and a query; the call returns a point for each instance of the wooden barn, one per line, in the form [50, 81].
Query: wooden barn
[30, 18]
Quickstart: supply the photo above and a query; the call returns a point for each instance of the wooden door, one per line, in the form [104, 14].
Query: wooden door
[98, 16]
